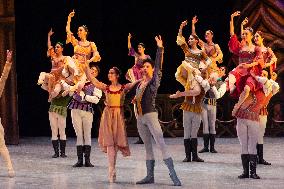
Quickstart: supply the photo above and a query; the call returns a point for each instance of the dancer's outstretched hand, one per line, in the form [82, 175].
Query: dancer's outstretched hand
[71, 14]
[237, 13]
[184, 23]
[9, 56]
[245, 21]
[129, 36]
[194, 20]
[50, 33]
[159, 41]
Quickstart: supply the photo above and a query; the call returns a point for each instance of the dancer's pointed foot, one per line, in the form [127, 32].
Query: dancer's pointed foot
[11, 173]
[112, 176]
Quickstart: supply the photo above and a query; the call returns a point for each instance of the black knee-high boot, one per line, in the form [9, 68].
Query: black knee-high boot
[56, 148]
[206, 143]
[212, 143]
[80, 157]
[187, 149]
[62, 148]
[245, 163]
[194, 150]
[87, 151]
[253, 160]
[259, 148]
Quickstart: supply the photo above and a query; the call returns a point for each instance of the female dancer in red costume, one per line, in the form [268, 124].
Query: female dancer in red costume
[240, 81]
[270, 61]
[269, 57]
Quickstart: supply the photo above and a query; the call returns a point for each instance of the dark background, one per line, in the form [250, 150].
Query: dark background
[109, 23]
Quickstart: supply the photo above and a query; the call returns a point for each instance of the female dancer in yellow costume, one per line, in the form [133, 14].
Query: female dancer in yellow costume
[84, 51]
[195, 59]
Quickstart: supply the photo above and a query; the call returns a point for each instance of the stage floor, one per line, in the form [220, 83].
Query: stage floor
[35, 169]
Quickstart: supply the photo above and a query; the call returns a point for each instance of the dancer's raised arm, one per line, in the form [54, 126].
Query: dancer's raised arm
[181, 40]
[193, 22]
[129, 41]
[193, 31]
[232, 28]
[100, 85]
[6, 71]
[244, 22]
[184, 23]
[159, 60]
[131, 50]
[70, 36]
[50, 33]
[234, 44]
[49, 46]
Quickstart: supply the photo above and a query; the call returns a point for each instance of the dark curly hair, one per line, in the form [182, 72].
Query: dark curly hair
[210, 31]
[150, 61]
[142, 44]
[93, 64]
[60, 43]
[195, 37]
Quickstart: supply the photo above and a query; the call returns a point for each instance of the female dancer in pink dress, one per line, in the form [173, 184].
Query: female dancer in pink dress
[112, 132]
[133, 74]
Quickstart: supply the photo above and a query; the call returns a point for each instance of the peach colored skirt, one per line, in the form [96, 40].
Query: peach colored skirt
[112, 131]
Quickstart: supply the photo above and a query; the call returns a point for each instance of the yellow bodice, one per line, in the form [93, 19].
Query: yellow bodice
[82, 53]
[114, 99]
